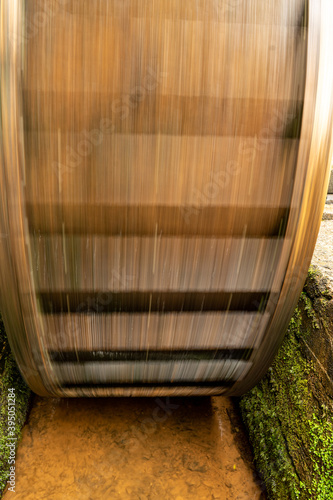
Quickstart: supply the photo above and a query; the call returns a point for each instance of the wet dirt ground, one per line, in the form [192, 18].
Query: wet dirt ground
[145, 449]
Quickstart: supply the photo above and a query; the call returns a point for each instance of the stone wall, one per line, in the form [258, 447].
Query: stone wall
[289, 414]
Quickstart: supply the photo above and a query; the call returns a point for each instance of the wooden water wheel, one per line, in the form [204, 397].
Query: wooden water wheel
[163, 175]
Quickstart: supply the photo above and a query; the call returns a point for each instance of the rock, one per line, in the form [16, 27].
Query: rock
[196, 467]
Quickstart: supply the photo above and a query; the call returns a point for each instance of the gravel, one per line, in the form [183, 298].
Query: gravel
[323, 254]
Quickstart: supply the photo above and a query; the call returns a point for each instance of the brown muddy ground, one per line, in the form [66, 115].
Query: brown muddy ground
[145, 449]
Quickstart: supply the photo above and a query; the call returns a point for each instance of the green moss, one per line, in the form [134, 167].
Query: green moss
[321, 446]
[10, 378]
[316, 285]
[291, 432]
[308, 308]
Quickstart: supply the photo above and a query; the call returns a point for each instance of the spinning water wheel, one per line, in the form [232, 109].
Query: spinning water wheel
[163, 175]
